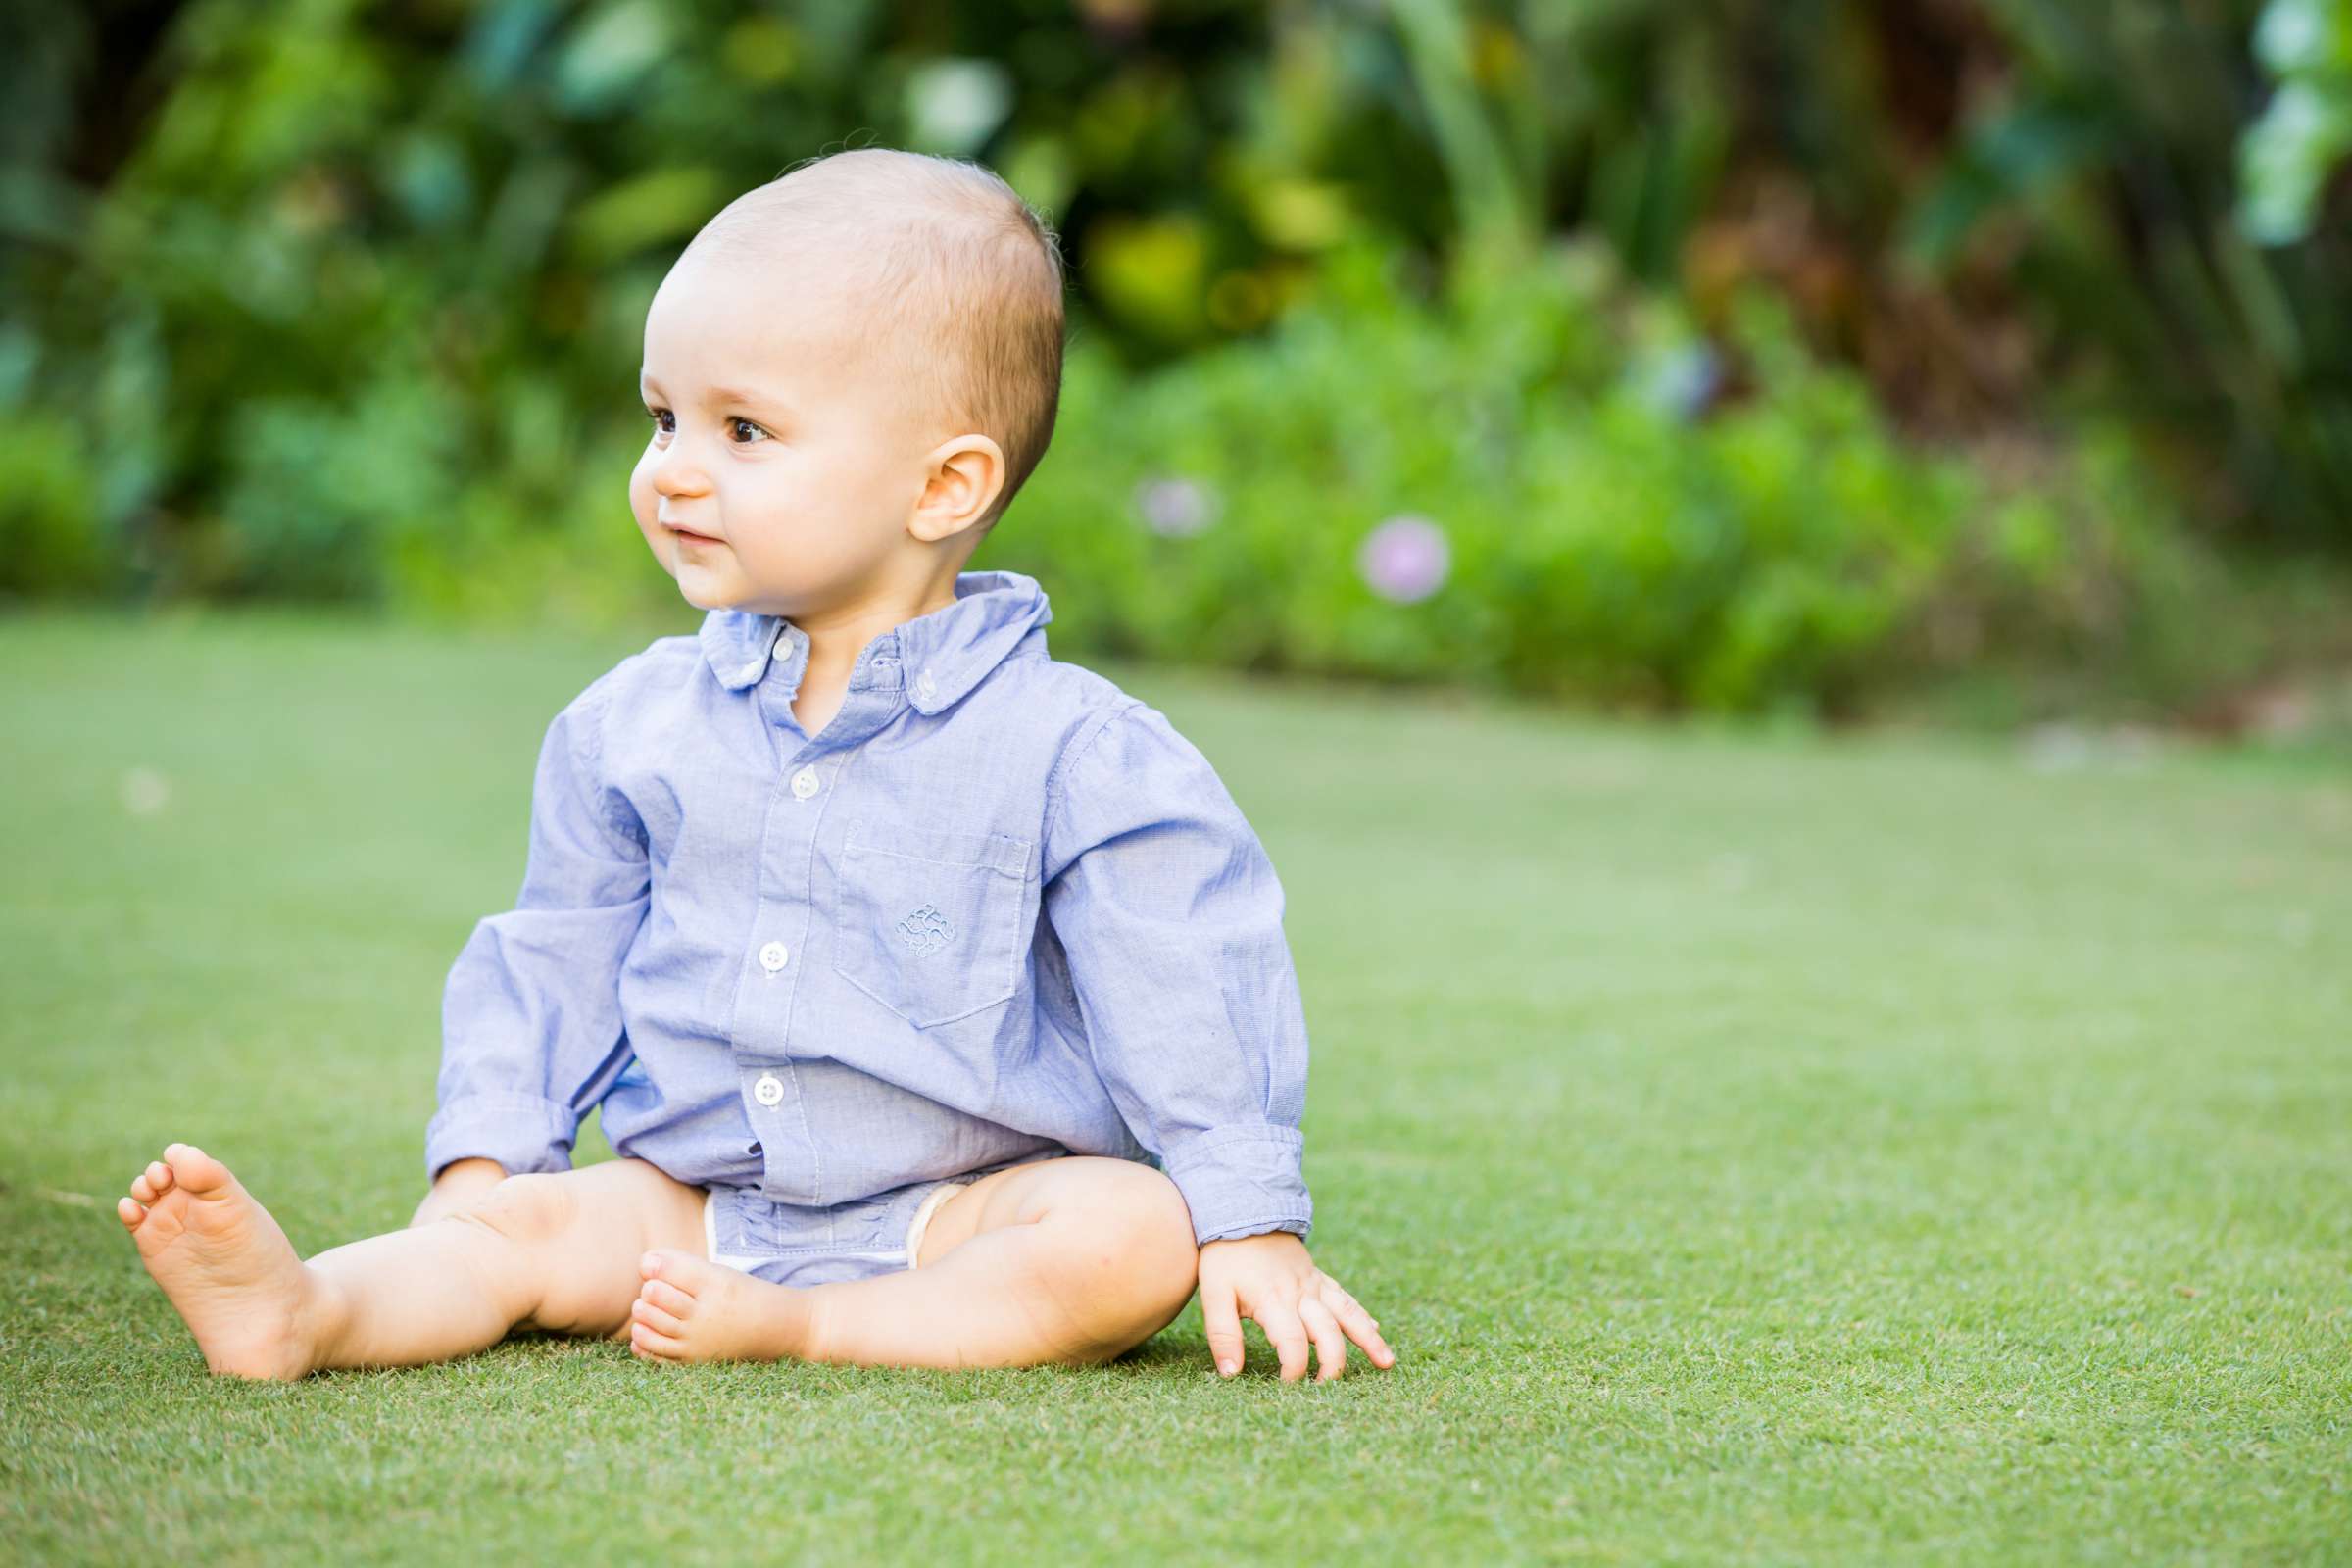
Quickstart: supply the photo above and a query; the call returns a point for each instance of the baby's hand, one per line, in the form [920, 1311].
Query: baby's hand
[1271, 1279]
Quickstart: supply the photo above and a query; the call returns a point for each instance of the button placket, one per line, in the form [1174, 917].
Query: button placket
[790, 1154]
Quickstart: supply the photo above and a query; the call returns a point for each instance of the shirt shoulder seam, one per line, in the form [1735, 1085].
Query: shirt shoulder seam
[594, 707]
[1073, 751]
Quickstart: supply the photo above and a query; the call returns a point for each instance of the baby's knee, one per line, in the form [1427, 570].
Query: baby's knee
[1139, 1257]
[533, 1208]
[1163, 1254]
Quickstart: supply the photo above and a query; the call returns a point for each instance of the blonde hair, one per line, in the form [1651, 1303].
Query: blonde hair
[966, 278]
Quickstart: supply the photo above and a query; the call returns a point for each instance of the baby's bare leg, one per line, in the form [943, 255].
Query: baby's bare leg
[557, 1252]
[1073, 1260]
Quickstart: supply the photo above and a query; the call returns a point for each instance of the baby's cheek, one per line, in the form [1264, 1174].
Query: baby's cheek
[646, 508]
[642, 500]
[641, 495]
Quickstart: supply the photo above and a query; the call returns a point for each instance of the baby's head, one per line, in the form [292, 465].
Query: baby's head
[851, 371]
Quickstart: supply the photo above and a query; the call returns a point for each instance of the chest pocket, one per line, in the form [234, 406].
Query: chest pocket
[929, 923]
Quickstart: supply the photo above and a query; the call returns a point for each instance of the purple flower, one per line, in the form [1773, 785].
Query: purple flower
[1405, 559]
[1175, 507]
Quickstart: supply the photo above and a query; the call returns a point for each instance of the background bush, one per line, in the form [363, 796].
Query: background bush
[1890, 338]
[1619, 524]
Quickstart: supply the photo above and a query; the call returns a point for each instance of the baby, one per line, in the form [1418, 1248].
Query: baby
[887, 945]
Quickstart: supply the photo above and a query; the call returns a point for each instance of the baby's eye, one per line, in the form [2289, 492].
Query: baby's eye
[663, 420]
[745, 432]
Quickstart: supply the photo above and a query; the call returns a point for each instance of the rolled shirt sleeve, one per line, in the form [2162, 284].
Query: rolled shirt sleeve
[531, 1026]
[1171, 916]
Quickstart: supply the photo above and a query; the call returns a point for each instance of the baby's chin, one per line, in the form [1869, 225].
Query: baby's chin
[704, 591]
[702, 586]
[702, 598]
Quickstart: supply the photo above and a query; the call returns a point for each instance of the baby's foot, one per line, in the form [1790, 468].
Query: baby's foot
[227, 1266]
[691, 1309]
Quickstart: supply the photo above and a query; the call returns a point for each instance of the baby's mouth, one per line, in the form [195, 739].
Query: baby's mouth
[691, 537]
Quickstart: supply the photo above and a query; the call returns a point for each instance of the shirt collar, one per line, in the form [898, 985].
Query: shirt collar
[940, 657]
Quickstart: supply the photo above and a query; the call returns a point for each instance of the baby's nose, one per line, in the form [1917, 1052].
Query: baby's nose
[672, 476]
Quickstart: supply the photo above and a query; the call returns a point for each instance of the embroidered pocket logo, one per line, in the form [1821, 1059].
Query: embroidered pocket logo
[926, 931]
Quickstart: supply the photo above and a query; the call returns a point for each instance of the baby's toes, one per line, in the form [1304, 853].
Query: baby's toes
[647, 1315]
[652, 1344]
[669, 1298]
[199, 1172]
[152, 1183]
[689, 1273]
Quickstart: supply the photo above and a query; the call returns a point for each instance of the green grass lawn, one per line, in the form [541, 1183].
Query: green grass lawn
[1758, 1148]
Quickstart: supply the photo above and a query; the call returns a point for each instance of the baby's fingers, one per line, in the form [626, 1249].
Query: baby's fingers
[1331, 1345]
[1288, 1335]
[1359, 1325]
[1224, 1324]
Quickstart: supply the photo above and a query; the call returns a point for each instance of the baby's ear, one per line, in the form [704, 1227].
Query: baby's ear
[963, 478]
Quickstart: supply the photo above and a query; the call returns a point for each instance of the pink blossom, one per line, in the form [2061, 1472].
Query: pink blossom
[1405, 558]
[1175, 507]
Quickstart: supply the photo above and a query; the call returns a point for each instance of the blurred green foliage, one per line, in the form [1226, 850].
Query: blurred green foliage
[323, 299]
[1618, 524]
[2305, 134]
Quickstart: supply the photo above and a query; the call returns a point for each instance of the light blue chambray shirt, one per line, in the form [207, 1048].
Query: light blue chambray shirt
[997, 908]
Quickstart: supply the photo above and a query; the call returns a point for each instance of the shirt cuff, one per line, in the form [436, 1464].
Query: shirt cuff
[1242, 1181]
[522, 1132]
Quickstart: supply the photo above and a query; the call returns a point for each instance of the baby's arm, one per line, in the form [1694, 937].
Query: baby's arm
[531, 1026]
[1171, 915]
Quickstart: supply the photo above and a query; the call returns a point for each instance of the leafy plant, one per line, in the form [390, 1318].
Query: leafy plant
[1730, 538]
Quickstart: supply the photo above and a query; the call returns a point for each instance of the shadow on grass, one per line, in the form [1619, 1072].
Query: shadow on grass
[1165, 1354]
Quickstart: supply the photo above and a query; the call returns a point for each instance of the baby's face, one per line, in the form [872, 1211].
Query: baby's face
[780, 475]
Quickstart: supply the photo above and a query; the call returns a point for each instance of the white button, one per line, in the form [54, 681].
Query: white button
[804, 783]
[768, 1090]
[772, 957]
[924, 686]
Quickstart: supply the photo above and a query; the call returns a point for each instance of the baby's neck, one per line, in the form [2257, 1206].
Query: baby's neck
[837, 637]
